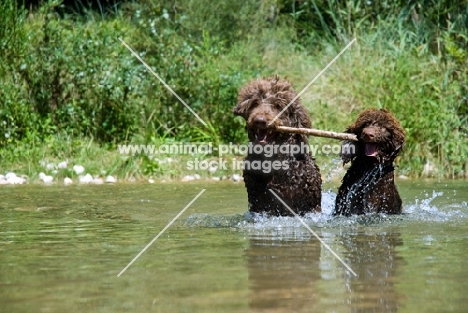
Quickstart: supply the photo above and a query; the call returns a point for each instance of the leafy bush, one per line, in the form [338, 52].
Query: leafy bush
[68, 77]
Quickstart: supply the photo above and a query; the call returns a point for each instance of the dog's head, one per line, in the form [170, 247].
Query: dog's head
[380, 136]
[267, 103]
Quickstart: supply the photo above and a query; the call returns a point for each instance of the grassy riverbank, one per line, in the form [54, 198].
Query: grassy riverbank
[71, 90]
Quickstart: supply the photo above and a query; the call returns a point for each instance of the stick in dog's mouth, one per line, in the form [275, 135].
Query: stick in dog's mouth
[317, 133]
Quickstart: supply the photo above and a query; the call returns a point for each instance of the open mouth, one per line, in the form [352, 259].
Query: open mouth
[263, 135]
[371, 149]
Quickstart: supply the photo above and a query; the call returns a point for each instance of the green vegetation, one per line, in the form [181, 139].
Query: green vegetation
[71, 90]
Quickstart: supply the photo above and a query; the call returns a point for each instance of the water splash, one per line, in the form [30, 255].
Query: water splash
[333, 169]
[425, 209]
[425, 204]
[285, 227]
[328, 202]
[218, 221]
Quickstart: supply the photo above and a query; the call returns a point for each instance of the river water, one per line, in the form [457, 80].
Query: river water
[63, 247]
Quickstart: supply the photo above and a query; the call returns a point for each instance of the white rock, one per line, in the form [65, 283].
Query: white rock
[67, 181]
[3, 181]
[50, 166]
[110, 179]
[62, 165]
[12, 179]
[235, 177]
[85, 179]
[2, 177]
[187, 178]
[47, 179]
[196, 176]
[151, 181]
[15, 180]
[97, 181]
[10, 175]
[216, 178]
[78, 169]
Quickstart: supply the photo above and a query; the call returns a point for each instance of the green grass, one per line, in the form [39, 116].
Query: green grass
[71, 90]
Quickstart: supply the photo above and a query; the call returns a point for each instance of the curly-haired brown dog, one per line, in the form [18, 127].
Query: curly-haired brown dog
[369, 185]
[294, 177]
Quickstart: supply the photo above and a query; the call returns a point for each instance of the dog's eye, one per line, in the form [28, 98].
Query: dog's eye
[254, 104]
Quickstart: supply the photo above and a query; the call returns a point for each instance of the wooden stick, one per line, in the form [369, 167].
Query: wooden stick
[317, 133]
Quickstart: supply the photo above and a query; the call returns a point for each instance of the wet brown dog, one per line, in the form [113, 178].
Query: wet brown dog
[273, 161]
[369, 185]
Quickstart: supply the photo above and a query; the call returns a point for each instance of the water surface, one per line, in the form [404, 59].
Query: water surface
[62, 247]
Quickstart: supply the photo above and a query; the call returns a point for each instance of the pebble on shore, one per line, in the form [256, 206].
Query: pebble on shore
[235, 177]
[78, 169]
[187, 178]
[85, 179]
[46, 179]
[110, 179]
[11, 179]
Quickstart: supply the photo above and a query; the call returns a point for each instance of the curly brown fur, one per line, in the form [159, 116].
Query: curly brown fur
[297, 181]
[369, 185]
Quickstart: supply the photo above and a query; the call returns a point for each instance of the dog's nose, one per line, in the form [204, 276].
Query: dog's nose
[368, 134]
[260, 121]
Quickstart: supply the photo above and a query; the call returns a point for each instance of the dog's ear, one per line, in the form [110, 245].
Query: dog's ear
[241, 109]
[392, 156]
[299, 116]
[348, 151]
[355, 128]
[392, 124]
